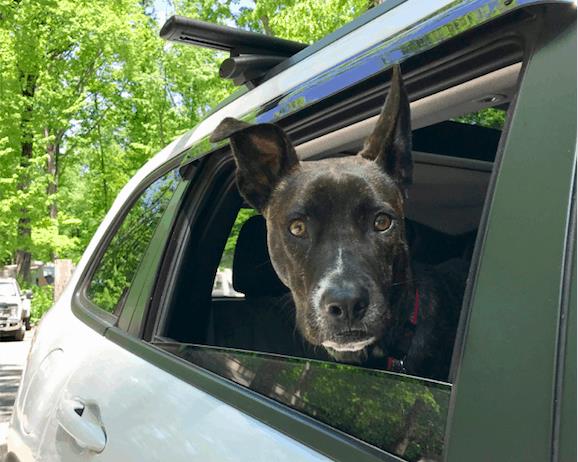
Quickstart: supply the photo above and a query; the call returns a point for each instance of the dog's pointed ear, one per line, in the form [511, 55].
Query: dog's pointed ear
[390, 142]
[263, 154]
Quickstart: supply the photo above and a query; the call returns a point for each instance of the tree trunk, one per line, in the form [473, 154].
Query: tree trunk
[53, 152]
[102, 162]
[409, 427]
[267, 26]
[264, 19]
[24, 232]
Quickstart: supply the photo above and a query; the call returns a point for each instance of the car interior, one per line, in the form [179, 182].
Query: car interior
[453, 158]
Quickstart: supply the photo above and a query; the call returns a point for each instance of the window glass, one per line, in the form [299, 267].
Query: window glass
[113, 276]
[399, 414]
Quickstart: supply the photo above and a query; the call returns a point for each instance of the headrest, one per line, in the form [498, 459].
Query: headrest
[253, 274]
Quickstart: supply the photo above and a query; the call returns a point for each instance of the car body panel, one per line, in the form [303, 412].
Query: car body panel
[519, 281]
[565, 432]
[182, 423]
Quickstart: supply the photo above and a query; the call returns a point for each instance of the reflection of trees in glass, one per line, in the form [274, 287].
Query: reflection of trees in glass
[126, 250]
[399, 414]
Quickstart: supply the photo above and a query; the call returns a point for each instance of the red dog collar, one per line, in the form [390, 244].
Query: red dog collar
[395, 364]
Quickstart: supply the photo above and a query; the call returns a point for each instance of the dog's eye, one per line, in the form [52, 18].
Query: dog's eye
[382, 222]
[297, 228]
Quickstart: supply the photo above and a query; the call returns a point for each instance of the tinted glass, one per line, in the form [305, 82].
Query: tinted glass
[118, 266]
[397, 413]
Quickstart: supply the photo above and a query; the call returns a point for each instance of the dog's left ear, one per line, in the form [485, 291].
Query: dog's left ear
[390, 142]
[263, 154]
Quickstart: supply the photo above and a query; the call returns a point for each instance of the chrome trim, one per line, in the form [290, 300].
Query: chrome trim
[402, 32]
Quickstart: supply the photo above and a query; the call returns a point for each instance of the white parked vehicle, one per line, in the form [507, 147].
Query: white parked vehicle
[14, 309]
[139, 361]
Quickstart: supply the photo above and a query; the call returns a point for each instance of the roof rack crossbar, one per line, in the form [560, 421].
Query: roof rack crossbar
[251, 54]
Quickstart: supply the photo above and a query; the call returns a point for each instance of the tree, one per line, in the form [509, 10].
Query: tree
[88, 93]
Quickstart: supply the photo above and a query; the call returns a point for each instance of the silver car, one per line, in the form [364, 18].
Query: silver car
[140, 361]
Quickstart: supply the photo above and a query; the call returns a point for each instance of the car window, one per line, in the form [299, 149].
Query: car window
[113, 275]
[250, 335]
[228, 312]
[223, 285]
[7, 289]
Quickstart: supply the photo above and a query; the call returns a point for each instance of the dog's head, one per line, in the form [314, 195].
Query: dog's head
[335, 227]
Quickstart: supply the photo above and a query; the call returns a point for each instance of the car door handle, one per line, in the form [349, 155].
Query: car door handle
[82, 422]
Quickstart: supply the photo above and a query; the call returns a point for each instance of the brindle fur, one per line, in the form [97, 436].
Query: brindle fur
[372, 280]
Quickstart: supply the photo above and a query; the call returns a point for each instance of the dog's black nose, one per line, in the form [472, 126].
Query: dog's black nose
[344, 303]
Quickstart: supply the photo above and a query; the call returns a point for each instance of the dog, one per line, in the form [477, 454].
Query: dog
[336, 236]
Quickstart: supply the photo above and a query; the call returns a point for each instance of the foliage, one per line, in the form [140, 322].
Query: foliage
[303, 21]
[42, 300]
[88, 93]
[490, 118]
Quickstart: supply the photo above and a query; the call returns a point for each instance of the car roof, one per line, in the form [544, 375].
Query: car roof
[395, 32]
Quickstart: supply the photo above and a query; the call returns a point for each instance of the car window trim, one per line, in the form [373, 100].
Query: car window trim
[195, 199]
[84, 308]
[568, 279]
[144, 277]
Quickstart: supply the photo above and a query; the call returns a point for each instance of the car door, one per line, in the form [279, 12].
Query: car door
[114, 405]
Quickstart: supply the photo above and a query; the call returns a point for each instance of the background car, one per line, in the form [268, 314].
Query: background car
[14, 309]
[138, 360]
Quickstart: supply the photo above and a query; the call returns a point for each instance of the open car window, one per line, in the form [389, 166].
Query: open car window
[228, 312]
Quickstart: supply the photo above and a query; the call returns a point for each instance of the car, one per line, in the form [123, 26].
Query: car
[223, 285]
[14, 309]
[139, 361]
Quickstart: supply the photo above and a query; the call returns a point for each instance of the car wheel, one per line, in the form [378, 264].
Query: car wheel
[20, 334]
[27, 323]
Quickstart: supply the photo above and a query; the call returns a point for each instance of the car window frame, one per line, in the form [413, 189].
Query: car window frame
[465, 400]
[347, 440]
[82, 306]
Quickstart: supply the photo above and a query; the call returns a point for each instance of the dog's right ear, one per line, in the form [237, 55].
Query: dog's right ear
[263, 154]
[389, 144]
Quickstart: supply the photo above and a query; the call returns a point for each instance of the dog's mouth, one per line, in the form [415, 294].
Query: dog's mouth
[349, 341]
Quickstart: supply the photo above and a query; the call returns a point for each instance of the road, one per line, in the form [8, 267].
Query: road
[12, 359]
